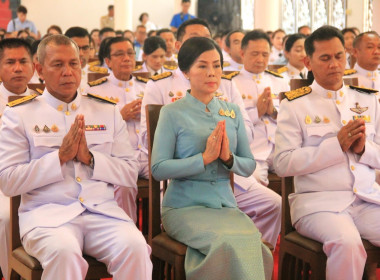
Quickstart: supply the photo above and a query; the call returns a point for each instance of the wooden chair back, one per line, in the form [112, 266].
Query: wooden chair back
[37, 87]
[298, 83]
[145, 75]
[274, 67]
[95, 76]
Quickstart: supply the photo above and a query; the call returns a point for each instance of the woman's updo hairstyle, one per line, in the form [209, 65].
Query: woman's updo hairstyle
[193, 48]
[292, 39]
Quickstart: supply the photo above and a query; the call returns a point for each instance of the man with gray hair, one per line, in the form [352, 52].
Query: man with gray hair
[63, 153]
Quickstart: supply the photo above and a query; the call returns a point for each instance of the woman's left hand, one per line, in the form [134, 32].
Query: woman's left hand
[225, 150]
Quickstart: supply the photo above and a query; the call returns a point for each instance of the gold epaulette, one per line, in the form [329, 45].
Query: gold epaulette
[97, 82]
[22, 100]
[363, 89]
[226, 64]
[137, 68]
[94, 63]
[101, 98]
[230, 76]
[98, 69]
[161, 76]
[141, 79]
[274, 74]
[39, 91]
[170, 65]
[299, 92]
[349, 72]
[282, 70]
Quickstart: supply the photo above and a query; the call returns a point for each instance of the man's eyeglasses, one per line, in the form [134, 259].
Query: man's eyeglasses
[121, 54]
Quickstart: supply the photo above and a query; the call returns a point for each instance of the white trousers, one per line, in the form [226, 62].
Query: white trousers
[118, 244]
[4, 233]
[341, 235]
[261, 204]
[126, 196]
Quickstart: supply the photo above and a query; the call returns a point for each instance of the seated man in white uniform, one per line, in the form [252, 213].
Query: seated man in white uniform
[127, 91]
[328, 137]
[260, 89]
[367, 53]
[262, 205]
[63, 153]
[16, 69]
[169, 38]
[233, 46]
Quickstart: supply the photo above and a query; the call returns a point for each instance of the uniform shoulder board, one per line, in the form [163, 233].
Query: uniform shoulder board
[282, 70]
[161, 76]
[98, 69]
[170, 65]
[274, 74]
[299, 92]
[364, 89]
[226, 64]
[349, 72]
[142, 79]
[230, 75]
[94, 63]
[137, 68]
[101, 98]
[22, 100]
[97, 82]
[39, 91]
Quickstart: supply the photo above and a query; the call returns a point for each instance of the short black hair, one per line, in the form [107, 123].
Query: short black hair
[77, 31]
[150, 33]
[303, 26]
[22, 31]
[22, 9]
[110, 7]
[324, 33]
[35, 46]
[277, 31]
[153, 43]
[359, 38]
[182, 28]
[228, 41]
[292, 39]
[110, 42]
[55, 27]
[254, 36]
[193, 48]
[14, 43]
[94, 30]
[186, 1]
[142, 15]
[346, 30]
[104, 30]
[164, 30]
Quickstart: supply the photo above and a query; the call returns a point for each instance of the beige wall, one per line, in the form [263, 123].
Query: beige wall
[66, 13]
[376, 18]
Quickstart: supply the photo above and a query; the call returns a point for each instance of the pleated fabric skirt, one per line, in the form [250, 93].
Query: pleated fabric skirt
[222, 243]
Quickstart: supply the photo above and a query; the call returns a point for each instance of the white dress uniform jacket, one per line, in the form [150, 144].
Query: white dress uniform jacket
[368, 79]
[232, 65]
[293, 73]
[251, 86]
[29, 163]
[174, 87]
[307, 147]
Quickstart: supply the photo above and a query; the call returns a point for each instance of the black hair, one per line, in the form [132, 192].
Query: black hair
[346, 30]
[34, 46]
[119, 33]
[77, 32]
[277, 31]
[254, 36]
[359, 38]
[303, 26]
[153, 43]
[164, 30]
[104, 30]
[151, 32]
[142, 15]
[110, 7]
[193, 48]
[186, 1]
[110, 42]
[102, 47]
[323, 33]
[13, 43]
[22, 9]
[292, 39]
[21, 31]
[94, 30]
[228, 41]
[182, 28]
[55, 27]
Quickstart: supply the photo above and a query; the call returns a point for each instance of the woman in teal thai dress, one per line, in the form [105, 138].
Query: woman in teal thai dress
[199, 140]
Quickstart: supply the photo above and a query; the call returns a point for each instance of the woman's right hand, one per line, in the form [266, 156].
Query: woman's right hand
[214, 144]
